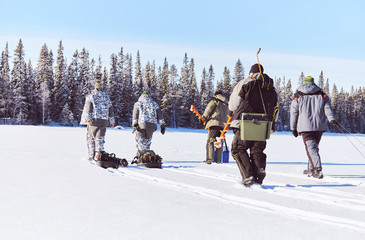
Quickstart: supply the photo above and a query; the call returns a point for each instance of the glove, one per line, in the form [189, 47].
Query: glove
[203, 119]
[295, 133]
[136, 127]
[334, 122]
[163, 129]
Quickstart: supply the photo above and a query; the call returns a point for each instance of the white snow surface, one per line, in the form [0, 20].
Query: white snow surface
[49, 190]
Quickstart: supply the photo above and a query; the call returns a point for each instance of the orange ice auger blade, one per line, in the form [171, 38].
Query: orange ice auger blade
[218, 143]
[193, 109]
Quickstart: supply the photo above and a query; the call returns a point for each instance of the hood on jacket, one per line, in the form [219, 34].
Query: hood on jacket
[309, 88]
[267, 82]
[221, 98]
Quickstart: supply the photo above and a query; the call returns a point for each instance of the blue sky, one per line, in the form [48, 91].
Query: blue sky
[295, 36]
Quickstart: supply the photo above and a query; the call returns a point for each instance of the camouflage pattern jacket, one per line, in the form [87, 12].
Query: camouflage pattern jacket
[97, 107]
[147, 113]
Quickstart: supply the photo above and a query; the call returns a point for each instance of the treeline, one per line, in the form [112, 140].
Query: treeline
[54, 90]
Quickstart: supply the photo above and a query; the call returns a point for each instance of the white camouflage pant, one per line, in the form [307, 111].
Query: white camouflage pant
[144, 139]
[94, 145]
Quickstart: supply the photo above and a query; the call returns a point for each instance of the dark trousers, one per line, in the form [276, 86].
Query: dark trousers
[212, 153]
[252, 163]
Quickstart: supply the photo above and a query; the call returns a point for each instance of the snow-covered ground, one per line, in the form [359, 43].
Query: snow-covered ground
[48, 190]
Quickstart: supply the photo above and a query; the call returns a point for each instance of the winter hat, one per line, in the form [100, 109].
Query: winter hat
[308, 79]
[145, 92]
[98, 84]
[255, 68]
[217, 92]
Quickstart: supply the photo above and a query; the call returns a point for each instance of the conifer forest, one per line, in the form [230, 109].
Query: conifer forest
[53, 90]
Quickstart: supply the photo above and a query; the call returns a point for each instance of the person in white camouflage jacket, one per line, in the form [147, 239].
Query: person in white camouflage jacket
[146, 115]
[98, 110]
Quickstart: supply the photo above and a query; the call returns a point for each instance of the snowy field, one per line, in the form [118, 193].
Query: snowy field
[48, 190]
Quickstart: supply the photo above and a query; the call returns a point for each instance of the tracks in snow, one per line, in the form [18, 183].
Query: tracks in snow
[335, 198]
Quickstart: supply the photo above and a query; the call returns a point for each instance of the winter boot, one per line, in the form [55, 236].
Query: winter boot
[248, 181]
[261, 174]
[208, 161]
[317, 173]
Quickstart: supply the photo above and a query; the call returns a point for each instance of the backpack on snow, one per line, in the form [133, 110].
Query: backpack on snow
[148, 158]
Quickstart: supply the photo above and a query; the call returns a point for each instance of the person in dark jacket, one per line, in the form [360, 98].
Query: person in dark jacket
[255, 94]
[215, 116]
[309, 112]
[97, 112]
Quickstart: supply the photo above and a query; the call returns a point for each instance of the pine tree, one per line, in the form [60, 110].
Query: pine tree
[210, 81]
[5, 86]
[138, 82]
[301, 79]
[74, 86]
[166, 100]
[239, 73]
[44, 83]
[128, 92]
[175, 97]
[203, 90]
[321, 80]
[226, 82]
[115, 88]
[60, 91]
[18, 78]
[32, 96]
[147, 77]
[326, 88]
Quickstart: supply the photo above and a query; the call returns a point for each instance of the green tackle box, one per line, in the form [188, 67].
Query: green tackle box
[255, 127]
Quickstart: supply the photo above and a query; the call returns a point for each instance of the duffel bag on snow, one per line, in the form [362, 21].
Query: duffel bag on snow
[109, 160]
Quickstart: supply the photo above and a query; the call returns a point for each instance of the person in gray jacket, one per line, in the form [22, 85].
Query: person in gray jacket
[309, 112]
[215, 116]
[97, 112]
[146, 115]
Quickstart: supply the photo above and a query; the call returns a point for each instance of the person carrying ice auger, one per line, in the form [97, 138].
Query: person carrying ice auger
[255, 94]
[146, 115]
[98, 110]
[308, 112]
[215, 116]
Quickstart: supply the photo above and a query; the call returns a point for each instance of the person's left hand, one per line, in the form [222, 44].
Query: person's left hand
[163, 129]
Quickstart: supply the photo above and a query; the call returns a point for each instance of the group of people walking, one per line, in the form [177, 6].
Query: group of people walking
[310, 110]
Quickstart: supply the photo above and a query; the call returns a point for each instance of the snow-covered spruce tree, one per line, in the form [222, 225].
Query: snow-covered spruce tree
[19, 105]
[239, 73]
[115, 88]
[210, 80]
[301, 79]
[326, 88]
[226, 82]
[128, 92]
[166, 100]
[67, 118]
[286, 97]
[184, 90]
[279, 126]
[155, 82]
[84, 77]
[175, 100]
[60, 91]
[32, 95]
[5, 86]
[147, 77]
[74, 86]
[358, 111]
[194, 95]
[203, 90]
[321, 80]
[44, 83]
[138, 82]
